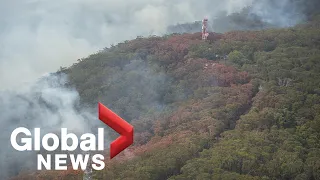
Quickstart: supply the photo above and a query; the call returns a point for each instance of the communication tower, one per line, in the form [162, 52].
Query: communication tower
[205, 33]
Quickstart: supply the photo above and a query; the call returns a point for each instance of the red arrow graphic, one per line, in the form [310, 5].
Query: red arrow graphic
[120, 126]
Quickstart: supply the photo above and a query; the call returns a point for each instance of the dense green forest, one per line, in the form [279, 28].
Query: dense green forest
[243, 105]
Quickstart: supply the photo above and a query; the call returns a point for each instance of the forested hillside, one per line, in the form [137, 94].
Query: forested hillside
[244, 105]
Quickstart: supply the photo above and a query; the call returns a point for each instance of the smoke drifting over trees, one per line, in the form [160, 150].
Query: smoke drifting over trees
[40, 36]
[259, 14]
[131, 89]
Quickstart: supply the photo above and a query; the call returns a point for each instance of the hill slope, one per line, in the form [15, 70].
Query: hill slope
[243, 106]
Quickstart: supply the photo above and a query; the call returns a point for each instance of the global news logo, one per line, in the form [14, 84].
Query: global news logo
[87, 142]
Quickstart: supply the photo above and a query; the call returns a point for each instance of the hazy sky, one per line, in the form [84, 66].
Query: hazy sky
[39, 36]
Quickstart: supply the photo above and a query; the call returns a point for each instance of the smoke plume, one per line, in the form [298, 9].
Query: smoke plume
[39, 36]
[50, 104]
[47, 105]
[255, 15]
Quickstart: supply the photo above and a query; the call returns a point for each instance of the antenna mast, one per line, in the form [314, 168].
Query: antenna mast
[205, 33]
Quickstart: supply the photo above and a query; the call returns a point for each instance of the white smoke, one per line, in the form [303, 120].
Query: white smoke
[39, 36]
[47, 105]
[284, 13]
